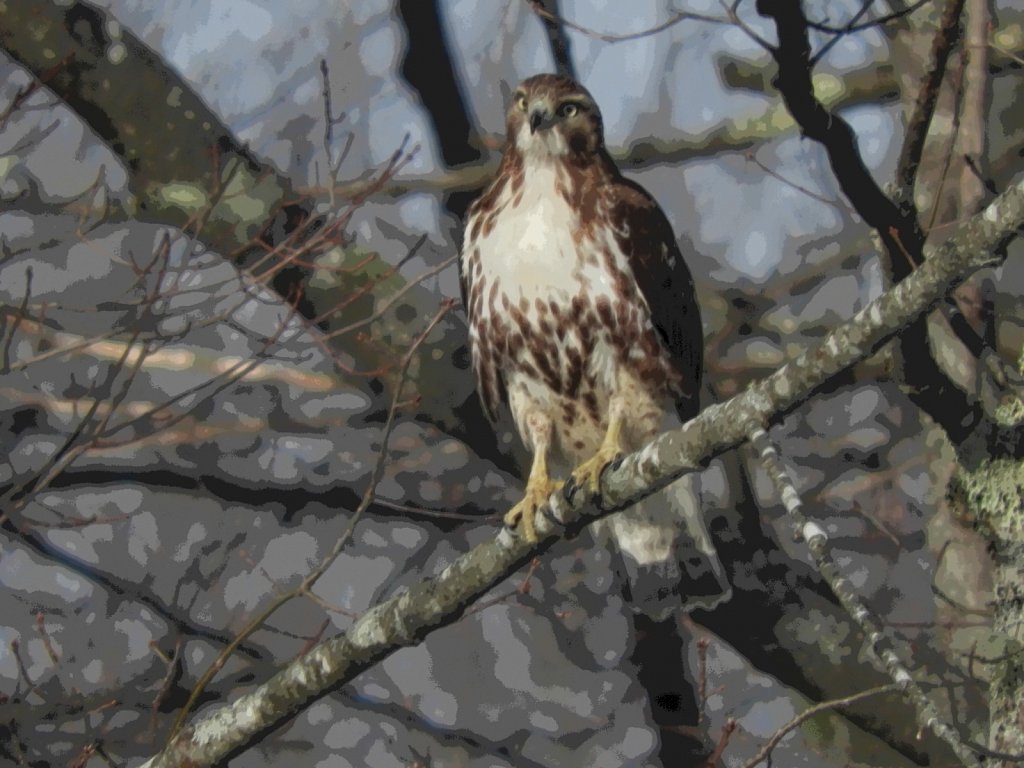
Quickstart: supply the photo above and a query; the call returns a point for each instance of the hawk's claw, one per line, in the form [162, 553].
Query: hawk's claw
[538, 491]
[587, 476]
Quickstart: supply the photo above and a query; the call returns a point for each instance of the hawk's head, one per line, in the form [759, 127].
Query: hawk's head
[553, 116]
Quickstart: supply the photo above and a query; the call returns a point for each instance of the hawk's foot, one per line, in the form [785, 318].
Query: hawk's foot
[587, 476]
[538, 491]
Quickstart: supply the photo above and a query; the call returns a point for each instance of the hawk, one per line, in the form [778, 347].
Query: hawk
[583, 320]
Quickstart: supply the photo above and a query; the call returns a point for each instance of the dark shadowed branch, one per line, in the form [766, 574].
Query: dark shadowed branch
[829, 129]
[428, 68]
[924, 106]
[895, 222]
[407, 618]
[558, 38]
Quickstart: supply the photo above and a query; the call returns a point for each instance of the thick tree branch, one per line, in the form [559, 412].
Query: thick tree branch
[406, 619]
[179, 154]
[428, 68]
[972, 143]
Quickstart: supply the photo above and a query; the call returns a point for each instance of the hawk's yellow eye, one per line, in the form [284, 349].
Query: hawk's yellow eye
[568, 109]
[521, 102]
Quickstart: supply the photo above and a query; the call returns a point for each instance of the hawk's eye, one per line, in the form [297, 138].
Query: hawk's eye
[568, 109]
[521, 102]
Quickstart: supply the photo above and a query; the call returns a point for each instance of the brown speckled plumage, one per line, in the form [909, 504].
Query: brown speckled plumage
[650, 317]
[578, 299]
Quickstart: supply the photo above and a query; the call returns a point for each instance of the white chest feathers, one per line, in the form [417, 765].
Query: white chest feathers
[533, 249]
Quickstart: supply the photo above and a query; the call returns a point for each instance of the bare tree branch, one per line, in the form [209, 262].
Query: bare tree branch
[406, 618]
[159, 127]
[609, 37]
[855, 25]
[764, 754]
[974, 117]
[881, 646]
[793, 55]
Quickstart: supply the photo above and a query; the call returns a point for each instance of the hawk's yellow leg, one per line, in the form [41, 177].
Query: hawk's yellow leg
[539, 485]
[588, 474]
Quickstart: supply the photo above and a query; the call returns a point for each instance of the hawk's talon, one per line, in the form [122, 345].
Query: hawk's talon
[538, 491]
[587, 476]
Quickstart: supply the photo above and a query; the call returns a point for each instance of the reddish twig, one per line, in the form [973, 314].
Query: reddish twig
[723, 742]
[26, 91]
[764, 754]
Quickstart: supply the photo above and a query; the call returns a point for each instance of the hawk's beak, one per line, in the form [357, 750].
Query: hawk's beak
[540, 118]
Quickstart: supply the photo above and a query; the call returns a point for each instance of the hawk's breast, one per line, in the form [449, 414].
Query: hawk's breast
[556, 317]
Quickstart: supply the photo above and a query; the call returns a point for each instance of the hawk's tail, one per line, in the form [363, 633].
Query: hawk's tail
[669, 558]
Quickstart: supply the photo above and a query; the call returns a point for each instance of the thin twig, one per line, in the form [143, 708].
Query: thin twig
[608, 37]
[392, 300]
[310, 580]
[764, 754]
[5, 361]
[26, 91]
[853, 26]
[439, 514]
[329, 122]
[732, 12]
[723, 741]
[752, 157]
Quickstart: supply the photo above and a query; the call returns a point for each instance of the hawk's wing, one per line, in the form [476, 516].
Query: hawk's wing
[464, 283]
[645, 236]
[489, 382]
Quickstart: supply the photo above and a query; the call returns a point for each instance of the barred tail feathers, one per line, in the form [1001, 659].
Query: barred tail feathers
[669, 559]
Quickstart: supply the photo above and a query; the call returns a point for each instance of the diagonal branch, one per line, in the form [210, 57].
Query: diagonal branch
[924, 106]
[764, 754]
[407, 618]
[881, 646]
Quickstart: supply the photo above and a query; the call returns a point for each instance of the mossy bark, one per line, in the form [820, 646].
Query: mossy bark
[993, 494]
[184, 164]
